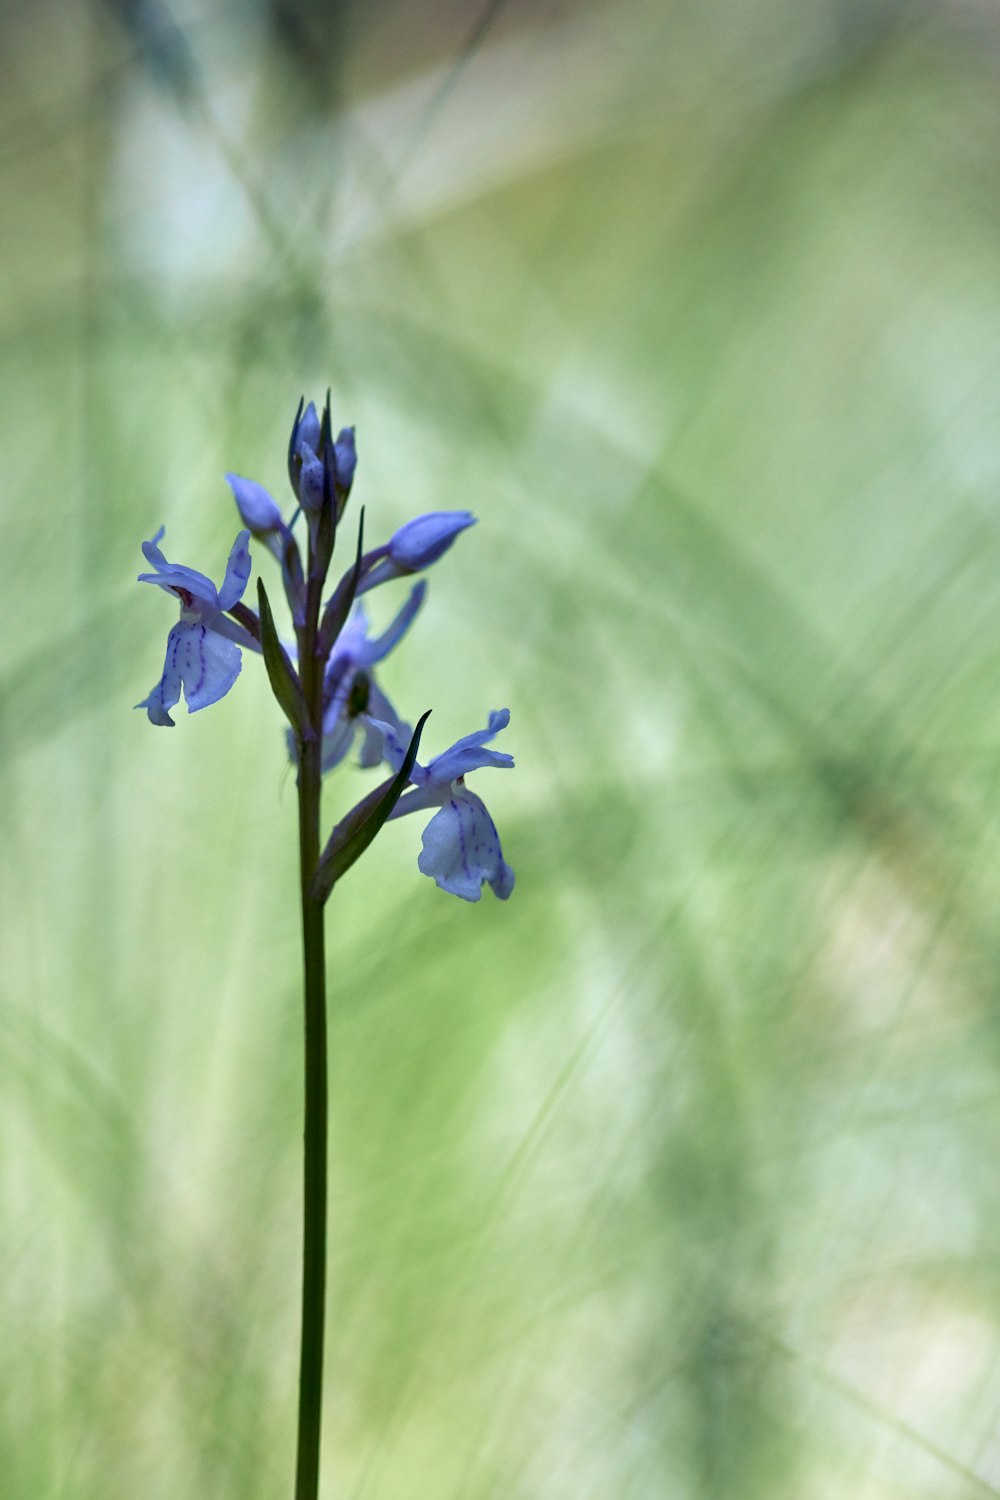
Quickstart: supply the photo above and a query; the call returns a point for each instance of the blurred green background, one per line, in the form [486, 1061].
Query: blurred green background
[673, 1177]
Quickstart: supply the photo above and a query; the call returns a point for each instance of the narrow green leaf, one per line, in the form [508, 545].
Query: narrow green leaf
[283, 678]
[352, 835]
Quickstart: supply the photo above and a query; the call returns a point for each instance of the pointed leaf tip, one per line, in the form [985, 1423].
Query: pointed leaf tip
[352, 835]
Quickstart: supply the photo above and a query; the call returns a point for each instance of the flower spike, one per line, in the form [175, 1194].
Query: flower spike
[324, 681]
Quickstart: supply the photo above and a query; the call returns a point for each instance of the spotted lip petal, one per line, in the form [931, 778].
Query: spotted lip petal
[461, 850]
[204, 664]
[209, 665]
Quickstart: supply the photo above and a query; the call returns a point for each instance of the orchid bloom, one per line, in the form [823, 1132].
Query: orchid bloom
[353, 692]
[461, 846]
[202, 656]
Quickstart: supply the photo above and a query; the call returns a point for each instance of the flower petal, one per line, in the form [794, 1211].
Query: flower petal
[151, 550]
[205, 663]
[382, 644]
[168, 690]
[461, 850]
[379, 707]
[174, 576]
[418, 798]
[502, 883]
[237, 572]
[223, 625]
[394, 746]
[338, 737]
[352, 642]
[499, 719]
[467, 753]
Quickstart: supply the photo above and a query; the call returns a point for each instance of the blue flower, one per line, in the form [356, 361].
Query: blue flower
[202, 652]
[352, 693]
[461, 846]
[417, 544]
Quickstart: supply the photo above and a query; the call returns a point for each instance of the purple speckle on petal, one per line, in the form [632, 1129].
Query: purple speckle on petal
[461, 838]
[192, 692]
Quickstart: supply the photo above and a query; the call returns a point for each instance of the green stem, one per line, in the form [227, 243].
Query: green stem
[315, 1132]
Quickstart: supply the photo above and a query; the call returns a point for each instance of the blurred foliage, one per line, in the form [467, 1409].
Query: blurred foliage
[671, 1177]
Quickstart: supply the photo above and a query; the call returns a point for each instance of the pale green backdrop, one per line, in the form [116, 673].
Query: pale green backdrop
[677, 1175]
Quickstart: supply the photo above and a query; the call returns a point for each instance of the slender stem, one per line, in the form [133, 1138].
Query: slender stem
[315, 1133]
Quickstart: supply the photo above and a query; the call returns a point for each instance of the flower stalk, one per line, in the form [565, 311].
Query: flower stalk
[309, 756]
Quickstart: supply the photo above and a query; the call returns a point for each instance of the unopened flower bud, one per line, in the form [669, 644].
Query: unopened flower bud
[347, 458]
[308, 429]
[310, 480]
[422, 541]
[259, 511]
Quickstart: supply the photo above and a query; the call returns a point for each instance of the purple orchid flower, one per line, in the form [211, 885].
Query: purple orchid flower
[354, 695]
[203, 653]
[461, 846]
